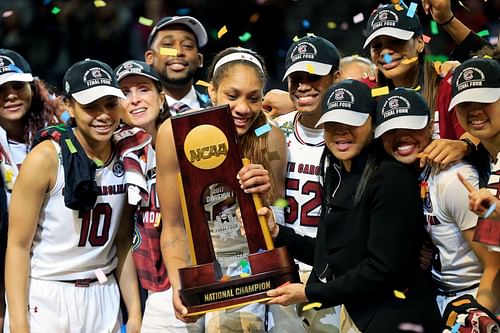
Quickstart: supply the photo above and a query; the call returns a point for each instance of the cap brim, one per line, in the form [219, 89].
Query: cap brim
[391, 32]
[311, 67]
[198, 29]
[15, 77]
[140, 74]
[90, 95]
[402, 122]
[477, 95]
[342, 116]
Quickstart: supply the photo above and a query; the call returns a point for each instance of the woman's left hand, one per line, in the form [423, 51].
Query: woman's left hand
[293, 293]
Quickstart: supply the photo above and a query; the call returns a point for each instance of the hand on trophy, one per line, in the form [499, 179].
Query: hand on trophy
[180, 310]
[293, 293]
[254, 178]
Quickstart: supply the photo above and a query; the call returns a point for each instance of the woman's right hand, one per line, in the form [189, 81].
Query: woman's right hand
[180, 309]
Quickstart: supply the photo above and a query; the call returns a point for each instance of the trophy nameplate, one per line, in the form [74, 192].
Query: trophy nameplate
[228, 269]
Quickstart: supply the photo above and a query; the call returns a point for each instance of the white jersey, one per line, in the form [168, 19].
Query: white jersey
[70, 244]
[12, 154]
[305, 146]
[447, 212]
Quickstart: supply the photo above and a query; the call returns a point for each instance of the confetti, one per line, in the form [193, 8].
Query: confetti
[99, 3]
[483, 33]
[434, 27]
[426, 38]
[282, 203]
[70, 145]
[98, 162]
[331, 25]
[409, 60]
[14, 68]
[46, 2]
[380, 91]
[344, 26]
[101, 277]
[168, 51]
[358, 18]
[202, 83]
[387, 58]
[306, 24]
[295, 38]
[399, 294]
[311, 306]
[461, 4]
[244, 275]
[65, 116]
[7, 13]
[411, 327]
[183, 11]
[487, 56]
[221, 32]
[434, 57]
[56, 10]
[490, 211]
[310, 34]
[493, 40]
[310, 69]
[245, 37]
[411, 10]
[145, 21]
[254, 18]
[398, 7]
[455, 328]
[263, 129]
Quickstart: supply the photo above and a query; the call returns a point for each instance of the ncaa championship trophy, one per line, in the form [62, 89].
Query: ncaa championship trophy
[228, 269]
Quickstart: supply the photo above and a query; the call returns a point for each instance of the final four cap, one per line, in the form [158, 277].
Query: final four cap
[190, 22]
[348, 102]
[389, 21]
[89, 80]
[13, 67]
[311, 54]
[136, 67]
[401, 109]
[476, 80]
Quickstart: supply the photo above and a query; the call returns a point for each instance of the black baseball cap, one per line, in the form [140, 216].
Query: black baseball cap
[476, 80]
[312, 54]
[392, 20]
[89, 80]
[401, 109]
[347, 102]
[13, 67]
[190, 22]
[136, 67]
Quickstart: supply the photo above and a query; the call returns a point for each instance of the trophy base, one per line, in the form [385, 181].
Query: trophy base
[201, 292]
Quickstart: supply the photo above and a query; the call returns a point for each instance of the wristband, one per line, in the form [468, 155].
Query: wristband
[470, 144]
[447, 21]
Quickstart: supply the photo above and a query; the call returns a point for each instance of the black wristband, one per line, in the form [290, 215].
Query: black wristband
[470, 144]
[448, 21]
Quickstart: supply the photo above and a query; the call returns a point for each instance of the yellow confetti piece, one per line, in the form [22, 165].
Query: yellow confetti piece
[145, 21]
[99, 3]
[331, 25]
[168, 51]
[221, 32]
[254, 18]
[202, 83]
[399, 294]
[417, 88]
[310, 34]
[244, 275]
[409, 60]
[398, 7]
[98, 162]
[70, 145]
[295, 38]
[461, 4]
[310, 69]
[487, 56]
[311, 306]
[281, 203]
[380, 91]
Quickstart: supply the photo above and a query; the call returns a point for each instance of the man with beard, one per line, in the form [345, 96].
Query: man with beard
[173, 51]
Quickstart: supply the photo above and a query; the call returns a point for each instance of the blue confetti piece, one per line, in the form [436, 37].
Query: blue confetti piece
[490, 211]
[65, 116]
[14, 68]
[263, 129]
[455, 328]
[412, 9]
[204, 98]
[387, 58]
[123, 329]
[46, 2]
[183, 11]
[306, 24]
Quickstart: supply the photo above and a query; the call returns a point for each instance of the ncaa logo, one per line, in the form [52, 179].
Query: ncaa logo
[96, 73]
[118, 169]
[339, 95]
[393, 103]
[468, 75]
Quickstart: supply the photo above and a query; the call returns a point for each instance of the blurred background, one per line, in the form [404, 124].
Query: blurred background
[52, 35]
